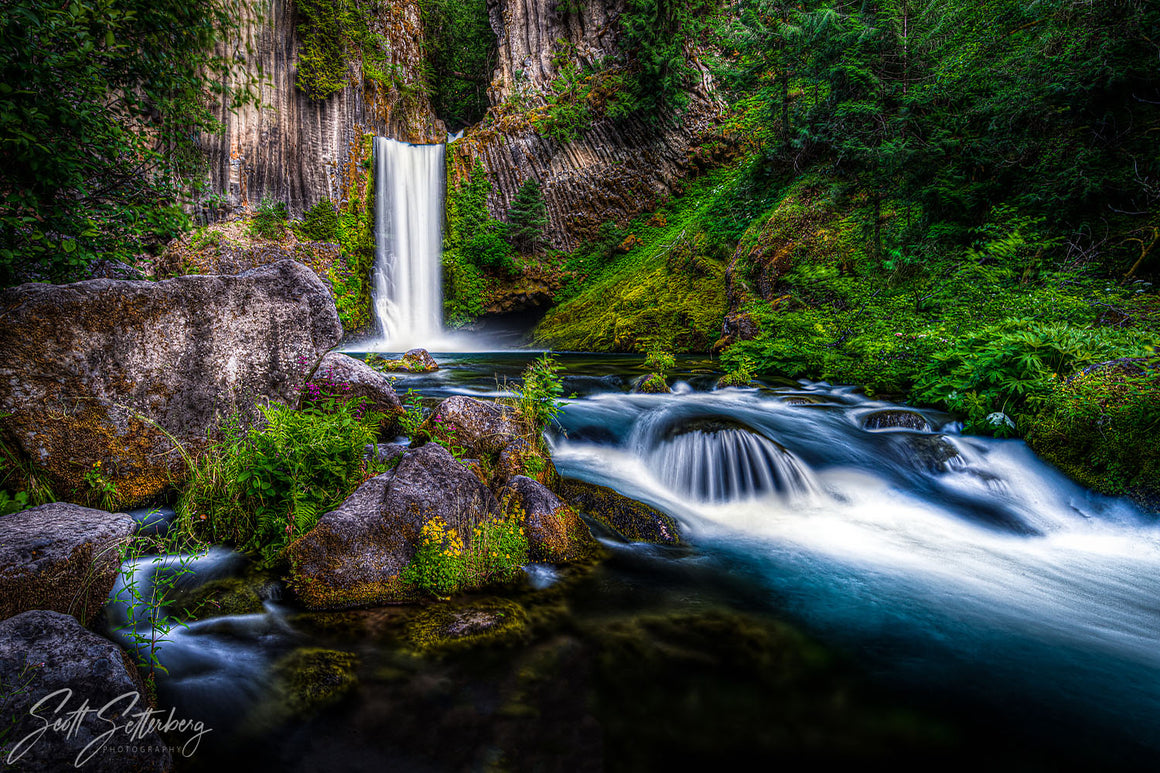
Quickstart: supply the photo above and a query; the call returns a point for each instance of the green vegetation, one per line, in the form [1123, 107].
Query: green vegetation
[269, 220]
[1100, 424]
[447, 562]
[319, 223]
[537, 399]
[100, 107]
[474, 245]
[337, 48]
[660, 285]
[527, 217]
[653, 36]
[266, 483]
[461, 52]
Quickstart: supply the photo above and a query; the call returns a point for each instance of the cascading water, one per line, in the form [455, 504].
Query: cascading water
[407, 296]
[718, 460]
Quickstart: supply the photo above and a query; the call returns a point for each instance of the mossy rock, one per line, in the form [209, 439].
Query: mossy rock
[312, 678]
[228, 596]
[414, 361]
[635, 521]
[653, 384]
[486, 622]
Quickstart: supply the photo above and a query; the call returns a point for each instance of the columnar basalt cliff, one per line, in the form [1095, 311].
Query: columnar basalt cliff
[296, 149]
[614, 169]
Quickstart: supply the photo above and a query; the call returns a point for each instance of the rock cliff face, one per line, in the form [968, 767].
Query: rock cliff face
[298, 150]
[292, 148]
[613, 170]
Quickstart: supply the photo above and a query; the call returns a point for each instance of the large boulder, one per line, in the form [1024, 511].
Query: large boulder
[555, 532]
[60, 557]
[116, 371]
[630, 519]
[479, 428]
[44, 652]
[356, 554]
[340, 375]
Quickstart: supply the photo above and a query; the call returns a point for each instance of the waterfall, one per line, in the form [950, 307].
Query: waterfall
[728, 464]
[407, 296]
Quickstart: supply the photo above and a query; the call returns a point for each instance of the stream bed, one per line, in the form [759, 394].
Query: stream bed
[857, 585]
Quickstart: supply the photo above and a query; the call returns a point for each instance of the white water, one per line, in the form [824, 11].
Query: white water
[907, 564]
[407, 296]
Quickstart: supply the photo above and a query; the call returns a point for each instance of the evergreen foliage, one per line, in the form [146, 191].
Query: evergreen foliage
[100, 107]
[527, 217]
[461, 52]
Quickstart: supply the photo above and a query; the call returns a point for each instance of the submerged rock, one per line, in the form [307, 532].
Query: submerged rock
[311, 679]
[896, 418]
[120, 371]
[635, 521]
[345, 376]
[42, 652]
[480, 428]
[60, 557]
[480, 623]
[356, 554]
[555, 532]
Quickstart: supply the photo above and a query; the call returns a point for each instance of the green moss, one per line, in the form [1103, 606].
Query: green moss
[653, 384]
[311, 679]
[229, 596]
[667, 289]
[635, 521]
[485, 622]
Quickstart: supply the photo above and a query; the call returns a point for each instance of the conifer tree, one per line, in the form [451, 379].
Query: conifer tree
[528, 217]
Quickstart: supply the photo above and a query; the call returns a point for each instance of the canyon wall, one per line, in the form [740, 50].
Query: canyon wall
[614, 169]
[298, 150]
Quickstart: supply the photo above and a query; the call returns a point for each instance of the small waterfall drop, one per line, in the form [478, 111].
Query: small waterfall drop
[715, 459]
[407, 295]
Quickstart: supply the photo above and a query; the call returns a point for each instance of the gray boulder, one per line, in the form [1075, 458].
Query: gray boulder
[340, 374]
[480, 428]
[356, 554]
[44, 652]
[60, 557]
[896, 418]
[555, 532]
[101, 370]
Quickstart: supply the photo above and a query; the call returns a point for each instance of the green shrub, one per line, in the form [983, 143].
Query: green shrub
[269, 221]
[319, 223]
[1100, 426]
[538, 398]
[262, 486]
[1009, 368]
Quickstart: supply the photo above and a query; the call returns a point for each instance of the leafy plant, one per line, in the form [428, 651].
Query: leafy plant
[269, 221]
[151, 570]
[537, 401]
[1002, 368]
[445, 564]
[102, 491]
[262, 486]
[739, 373]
